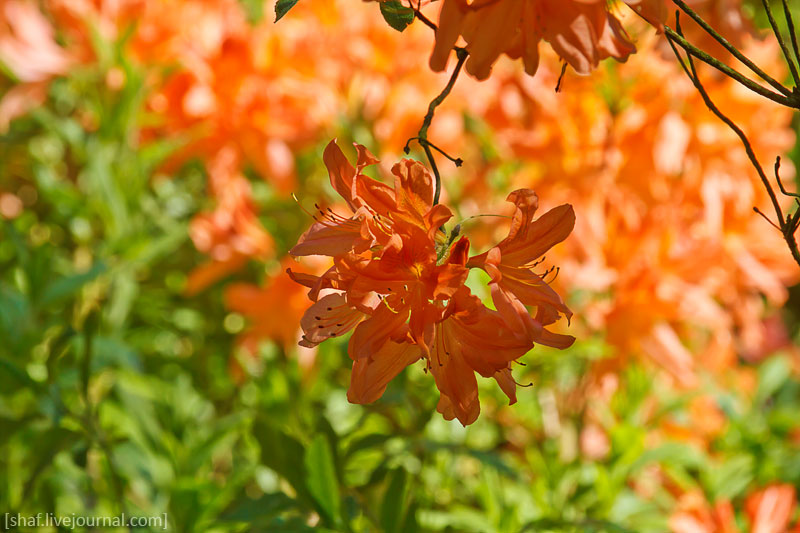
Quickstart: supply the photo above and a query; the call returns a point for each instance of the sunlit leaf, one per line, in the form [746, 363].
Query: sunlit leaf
[396, 14]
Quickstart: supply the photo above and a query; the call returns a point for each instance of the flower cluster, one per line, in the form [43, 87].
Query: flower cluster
[398, 280]
[582, 32]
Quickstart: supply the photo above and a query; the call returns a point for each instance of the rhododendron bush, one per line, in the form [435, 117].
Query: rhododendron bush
[401, 265]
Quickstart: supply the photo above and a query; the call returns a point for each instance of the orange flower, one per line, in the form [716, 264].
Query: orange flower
[510, 264]
[771, 508]
[398, 282]
[696, 515]
[582, 32]
[231, 233]
[274, 309]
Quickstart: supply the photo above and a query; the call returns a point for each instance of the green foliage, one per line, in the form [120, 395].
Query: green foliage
[396, 14]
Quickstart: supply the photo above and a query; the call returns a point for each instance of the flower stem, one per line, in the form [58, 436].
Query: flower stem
[422, 136]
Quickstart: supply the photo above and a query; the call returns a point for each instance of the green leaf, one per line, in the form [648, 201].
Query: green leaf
[373, 440]
[321, 474]
[283, 7]
[672, 453]
[283, 454]
[771, 376]
[394, 501]
[63, 288]
[588, 525]
[252, 510]
[396, 14]
[729, 478]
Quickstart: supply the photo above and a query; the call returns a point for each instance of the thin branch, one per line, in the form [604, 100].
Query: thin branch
[561, 76]
[792, 32]
[780, 183]
[422, 136]
[765, 217]
[425, 20]
[457, 161]
[462, 54]
[690, 49]
[732, 49]
[782, 43]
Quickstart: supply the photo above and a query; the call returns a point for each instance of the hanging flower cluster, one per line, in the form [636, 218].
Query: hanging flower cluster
[398, 280]
[582, 32]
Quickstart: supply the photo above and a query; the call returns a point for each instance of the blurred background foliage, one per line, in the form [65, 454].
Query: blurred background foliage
[122, 391]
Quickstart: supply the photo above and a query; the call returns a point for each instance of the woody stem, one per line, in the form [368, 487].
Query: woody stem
[731, 49]
[785, 49]
[422, 136]
[676, 38]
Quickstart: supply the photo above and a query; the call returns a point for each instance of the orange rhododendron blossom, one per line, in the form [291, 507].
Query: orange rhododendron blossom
[582, 32]
[398, 281]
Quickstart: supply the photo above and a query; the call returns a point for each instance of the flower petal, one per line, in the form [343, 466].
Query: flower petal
[332, 239]
[451, 18]
[340, 171]
[507, 384]
[371, 334]
[538, 236]
[371, 374]
[330, 317]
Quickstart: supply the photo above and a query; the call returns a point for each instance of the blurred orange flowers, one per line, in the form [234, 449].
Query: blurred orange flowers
[399, 281]
[768, 510]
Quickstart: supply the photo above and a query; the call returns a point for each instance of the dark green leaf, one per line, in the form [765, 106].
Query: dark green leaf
[374, 440]
[394, 501]
[396, 14]
[321, 473]
[65, 287]
[283, 7]
[283, 454]
[250, 510]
